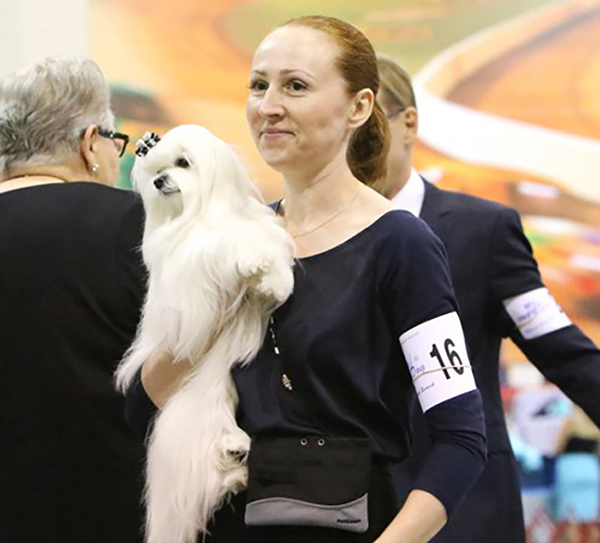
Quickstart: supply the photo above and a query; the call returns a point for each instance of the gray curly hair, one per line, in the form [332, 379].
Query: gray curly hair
[45, 108]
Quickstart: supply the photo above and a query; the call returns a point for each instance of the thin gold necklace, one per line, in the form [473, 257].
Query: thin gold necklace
[329, 219]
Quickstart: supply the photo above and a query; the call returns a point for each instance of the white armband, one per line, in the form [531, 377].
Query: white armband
[437, 359]
[536, 313]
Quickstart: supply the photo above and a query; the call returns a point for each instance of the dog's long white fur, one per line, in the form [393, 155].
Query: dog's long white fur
[219, 263]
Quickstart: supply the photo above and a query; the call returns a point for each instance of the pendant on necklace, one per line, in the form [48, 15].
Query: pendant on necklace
[287, 382]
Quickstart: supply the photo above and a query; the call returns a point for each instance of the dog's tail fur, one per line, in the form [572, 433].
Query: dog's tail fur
[196, 454]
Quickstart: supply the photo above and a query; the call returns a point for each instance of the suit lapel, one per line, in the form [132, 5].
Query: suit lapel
[435, 208]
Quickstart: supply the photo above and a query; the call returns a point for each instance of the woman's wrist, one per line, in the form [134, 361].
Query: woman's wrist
[422, 516]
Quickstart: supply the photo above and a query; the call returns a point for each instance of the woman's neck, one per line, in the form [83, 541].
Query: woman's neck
[30, 175]
[22, 180]
[67, 170]
[307, 196]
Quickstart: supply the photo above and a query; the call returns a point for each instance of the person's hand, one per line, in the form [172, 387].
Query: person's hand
[162, 376]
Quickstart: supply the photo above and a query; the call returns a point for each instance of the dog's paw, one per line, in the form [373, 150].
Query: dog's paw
[234, 480]
[270, 274]
[233, 461]
[234, 449]
[236, 444]
[276, 282]
[254, 265]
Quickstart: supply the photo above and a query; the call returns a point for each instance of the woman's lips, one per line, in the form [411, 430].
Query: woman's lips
[274, 134]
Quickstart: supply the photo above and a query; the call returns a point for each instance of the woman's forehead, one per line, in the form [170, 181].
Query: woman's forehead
[295, 47]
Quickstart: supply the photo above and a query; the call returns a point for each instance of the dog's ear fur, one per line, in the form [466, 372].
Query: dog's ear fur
[231, 175]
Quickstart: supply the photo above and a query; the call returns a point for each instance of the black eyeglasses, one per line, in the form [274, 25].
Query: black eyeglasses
[120, 140]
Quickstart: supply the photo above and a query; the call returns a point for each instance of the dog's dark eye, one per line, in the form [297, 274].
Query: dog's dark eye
[182, 162]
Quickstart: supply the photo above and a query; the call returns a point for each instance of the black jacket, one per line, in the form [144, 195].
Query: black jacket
[71, 288]
[491, 260]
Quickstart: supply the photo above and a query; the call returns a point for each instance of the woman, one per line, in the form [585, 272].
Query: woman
[368, 279]
[71, 286]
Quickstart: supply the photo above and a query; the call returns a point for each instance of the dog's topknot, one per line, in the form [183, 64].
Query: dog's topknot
[147, 141]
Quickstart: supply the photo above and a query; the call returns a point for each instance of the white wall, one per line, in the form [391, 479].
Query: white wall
[33, 29]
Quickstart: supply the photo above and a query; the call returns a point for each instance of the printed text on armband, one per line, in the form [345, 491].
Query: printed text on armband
[437, 359]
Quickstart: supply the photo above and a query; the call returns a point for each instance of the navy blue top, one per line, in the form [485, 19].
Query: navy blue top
[338, 336]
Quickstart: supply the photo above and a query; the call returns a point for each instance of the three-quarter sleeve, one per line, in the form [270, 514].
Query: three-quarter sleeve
[458, 455]
[421, 307]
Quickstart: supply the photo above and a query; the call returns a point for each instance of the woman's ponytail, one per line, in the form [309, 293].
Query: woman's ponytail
[368, 148]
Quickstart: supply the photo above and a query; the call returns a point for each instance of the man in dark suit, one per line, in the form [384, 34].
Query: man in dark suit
[497, 285]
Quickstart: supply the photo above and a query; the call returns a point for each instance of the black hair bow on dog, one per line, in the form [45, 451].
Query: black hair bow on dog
[147, 141]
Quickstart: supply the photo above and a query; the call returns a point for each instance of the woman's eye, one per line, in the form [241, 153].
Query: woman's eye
[258, 85]
[297, 86]
[182, 162]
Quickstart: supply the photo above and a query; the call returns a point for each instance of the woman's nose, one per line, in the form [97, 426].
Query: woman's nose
[271, 103]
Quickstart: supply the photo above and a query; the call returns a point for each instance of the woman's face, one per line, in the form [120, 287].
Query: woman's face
[298, 109]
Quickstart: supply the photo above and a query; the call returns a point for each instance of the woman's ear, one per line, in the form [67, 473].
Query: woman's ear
[88, 148]
[362, 107]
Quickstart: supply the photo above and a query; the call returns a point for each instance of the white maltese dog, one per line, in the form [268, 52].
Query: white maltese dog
[219, 263]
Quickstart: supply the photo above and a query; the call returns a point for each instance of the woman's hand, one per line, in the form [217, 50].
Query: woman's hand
[421, 517]
[162, 377]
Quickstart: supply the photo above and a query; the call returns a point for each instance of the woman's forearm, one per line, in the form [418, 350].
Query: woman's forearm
[162, 377]
[421, 517]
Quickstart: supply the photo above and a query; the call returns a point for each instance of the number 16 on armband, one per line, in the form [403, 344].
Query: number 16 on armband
[437, 359]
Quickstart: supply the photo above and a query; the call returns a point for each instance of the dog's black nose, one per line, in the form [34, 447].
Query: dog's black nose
[159, 182]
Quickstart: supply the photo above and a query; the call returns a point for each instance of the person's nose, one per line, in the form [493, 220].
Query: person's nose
[271, 104]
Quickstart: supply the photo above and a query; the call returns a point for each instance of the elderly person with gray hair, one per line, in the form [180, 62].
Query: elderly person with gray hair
[71, 287]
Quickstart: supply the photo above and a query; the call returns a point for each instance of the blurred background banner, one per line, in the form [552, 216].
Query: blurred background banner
[507, 89]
